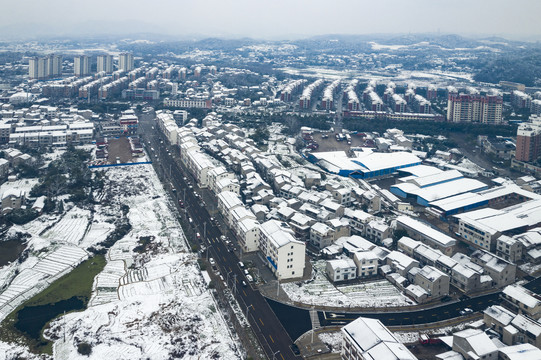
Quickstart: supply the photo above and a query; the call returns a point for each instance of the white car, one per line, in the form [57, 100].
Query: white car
[466, 311]
[212, 262]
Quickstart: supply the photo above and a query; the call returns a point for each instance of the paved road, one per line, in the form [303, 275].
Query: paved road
[272, 336]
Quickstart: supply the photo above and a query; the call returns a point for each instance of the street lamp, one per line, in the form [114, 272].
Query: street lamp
[274, 355]
[248, 309]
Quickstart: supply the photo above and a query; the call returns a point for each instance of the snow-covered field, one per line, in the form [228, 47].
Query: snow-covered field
[151, 305]
[320, 291]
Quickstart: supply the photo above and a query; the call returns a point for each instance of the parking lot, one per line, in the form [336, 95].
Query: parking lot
[328, 142]
[119, 147]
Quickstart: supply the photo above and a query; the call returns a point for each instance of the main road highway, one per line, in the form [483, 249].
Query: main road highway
[273, 337]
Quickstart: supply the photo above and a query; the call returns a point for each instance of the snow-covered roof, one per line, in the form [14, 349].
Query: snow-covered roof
[478, 341]
[521, 352]
[492, 220]
[278, 234]
[500, 314]
[528, 325]
[375, 341]
[346, 263]
[416, 290]
[522, 295]
[427, 231]
[431, 273]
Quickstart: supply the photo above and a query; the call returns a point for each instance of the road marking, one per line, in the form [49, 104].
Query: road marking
[406, 318]
[446, 312]
[244, 293]
[223, 257]
[480, 302]
[391, 319]
[434, 314]
[282, 356]
[420, 316]
[261, 321]
[271, 338]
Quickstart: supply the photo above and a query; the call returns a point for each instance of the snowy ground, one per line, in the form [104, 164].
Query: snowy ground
[411, 337]
[152, 305]
[530, 268]
[332, 339]
[320, 291]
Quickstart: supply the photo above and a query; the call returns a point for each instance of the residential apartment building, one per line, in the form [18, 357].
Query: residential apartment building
[81, 65]
[105, 64]
[125, 62]
[285, 255]
[528, 142]
[486, 109]
[41, 68]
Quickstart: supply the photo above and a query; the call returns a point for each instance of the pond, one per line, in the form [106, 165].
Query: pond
[10, 250]
[32, 319]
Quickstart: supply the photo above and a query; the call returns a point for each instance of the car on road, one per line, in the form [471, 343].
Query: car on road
[198, 236]
[446, 298]
[190, 220]
[249, 278]
[180, 203]
[241, 264]
[244, 283]
[246, 272]
[212, 262]
[222, 237]
[466, 311]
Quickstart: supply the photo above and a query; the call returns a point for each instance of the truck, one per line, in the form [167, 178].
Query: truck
[428, 340]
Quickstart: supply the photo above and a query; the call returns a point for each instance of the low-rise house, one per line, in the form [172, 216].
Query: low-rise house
[500, 270]
[401, 263]
[358, 220]
[522, 301]
[522, 330]
[377, 230]
[497, 317]
[519, 352]
[341, 270]
[509, 248]
[465, 278]
[407, 245]
[474, 344]
[417, 293]
[418, 230]
[301, 225]
[321, 235]
[12, 199]
[433, 281]
[367, 263]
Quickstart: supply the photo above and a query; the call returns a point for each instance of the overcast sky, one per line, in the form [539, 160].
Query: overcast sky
[276, 18]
